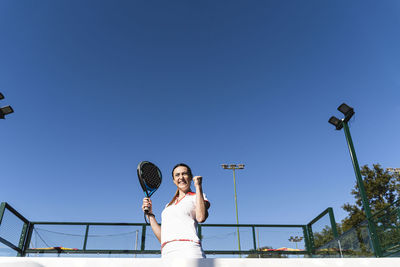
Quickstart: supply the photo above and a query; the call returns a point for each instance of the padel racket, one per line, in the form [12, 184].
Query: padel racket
[149, 178]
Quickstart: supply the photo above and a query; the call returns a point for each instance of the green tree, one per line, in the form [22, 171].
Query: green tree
[323, 237]
[382, 190]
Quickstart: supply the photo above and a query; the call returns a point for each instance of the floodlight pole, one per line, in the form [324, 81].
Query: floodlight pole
[339, 124]
[233, 167]
[236, 206]
[295, 240]
[360, 183]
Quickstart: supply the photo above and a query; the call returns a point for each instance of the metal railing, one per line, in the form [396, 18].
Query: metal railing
[13, 228]
[387, 222]
[27, 238]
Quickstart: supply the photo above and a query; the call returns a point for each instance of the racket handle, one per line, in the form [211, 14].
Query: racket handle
[146, 209]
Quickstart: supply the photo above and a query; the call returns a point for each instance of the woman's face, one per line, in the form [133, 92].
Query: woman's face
[182, 178]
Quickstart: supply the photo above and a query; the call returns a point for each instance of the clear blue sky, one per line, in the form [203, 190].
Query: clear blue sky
[98, 86]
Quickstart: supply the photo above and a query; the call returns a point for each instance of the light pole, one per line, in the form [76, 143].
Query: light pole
[234, 167]
[137, 235]
[339, 124]
[5, 110]
[295, 239]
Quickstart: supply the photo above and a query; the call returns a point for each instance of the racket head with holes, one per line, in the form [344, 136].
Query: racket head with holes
[149, 177]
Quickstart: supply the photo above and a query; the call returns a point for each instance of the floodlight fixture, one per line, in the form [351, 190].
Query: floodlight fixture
[347, 111]
[295, 238]
[232, 166]
[336, 122]
[5, 111]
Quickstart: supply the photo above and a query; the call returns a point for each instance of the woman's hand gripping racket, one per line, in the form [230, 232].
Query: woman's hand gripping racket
[149, 178]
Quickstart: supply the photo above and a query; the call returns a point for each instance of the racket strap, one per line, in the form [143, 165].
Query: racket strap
[148, 214]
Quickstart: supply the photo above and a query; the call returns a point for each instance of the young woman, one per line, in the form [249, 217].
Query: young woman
[178, 231]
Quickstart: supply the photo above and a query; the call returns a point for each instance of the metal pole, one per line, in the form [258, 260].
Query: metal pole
[258, 243]
[86, 237]
[137, 236]
[364, 199]
[340, 249]
[237, 216]
[333, 223]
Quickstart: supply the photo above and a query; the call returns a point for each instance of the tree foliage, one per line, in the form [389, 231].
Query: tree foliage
[323, 237]
[382, 190]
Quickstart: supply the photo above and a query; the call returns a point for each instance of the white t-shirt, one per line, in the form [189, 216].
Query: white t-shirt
[178, 221]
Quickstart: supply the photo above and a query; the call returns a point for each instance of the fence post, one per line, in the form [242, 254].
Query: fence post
[307, 240]
[28, 238]
[333, 223]
[199, 232]
[86, 237]
[142, 247]
[254, 238]
[22, 239]
[2, 209]
[311, 237]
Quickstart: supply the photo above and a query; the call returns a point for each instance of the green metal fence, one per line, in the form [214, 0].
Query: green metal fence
[138, 239]
[264, 240]
[13, 231]
[321, 230]
[318, 238]
[387, 223]
[357, 242]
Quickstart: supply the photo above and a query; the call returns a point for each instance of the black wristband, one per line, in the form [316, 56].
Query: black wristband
[150, 214]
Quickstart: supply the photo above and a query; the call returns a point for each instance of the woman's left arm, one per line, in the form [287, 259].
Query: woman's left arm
[201, 205]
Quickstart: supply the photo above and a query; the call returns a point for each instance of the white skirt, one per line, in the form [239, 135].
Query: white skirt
[182, 249]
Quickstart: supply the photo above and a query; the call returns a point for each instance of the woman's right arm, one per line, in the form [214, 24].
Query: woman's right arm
[152, 219]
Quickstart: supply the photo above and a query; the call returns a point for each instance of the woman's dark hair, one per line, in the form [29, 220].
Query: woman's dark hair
[182, 165]
[177, 190]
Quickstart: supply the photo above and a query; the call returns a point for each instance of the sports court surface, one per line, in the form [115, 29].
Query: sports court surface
[90, 262]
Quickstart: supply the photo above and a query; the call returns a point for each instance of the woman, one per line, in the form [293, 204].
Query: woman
[178, 231]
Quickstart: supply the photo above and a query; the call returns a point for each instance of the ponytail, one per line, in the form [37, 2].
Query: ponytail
[174, 198]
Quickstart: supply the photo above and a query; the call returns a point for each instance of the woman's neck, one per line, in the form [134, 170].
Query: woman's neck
[183, 193]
